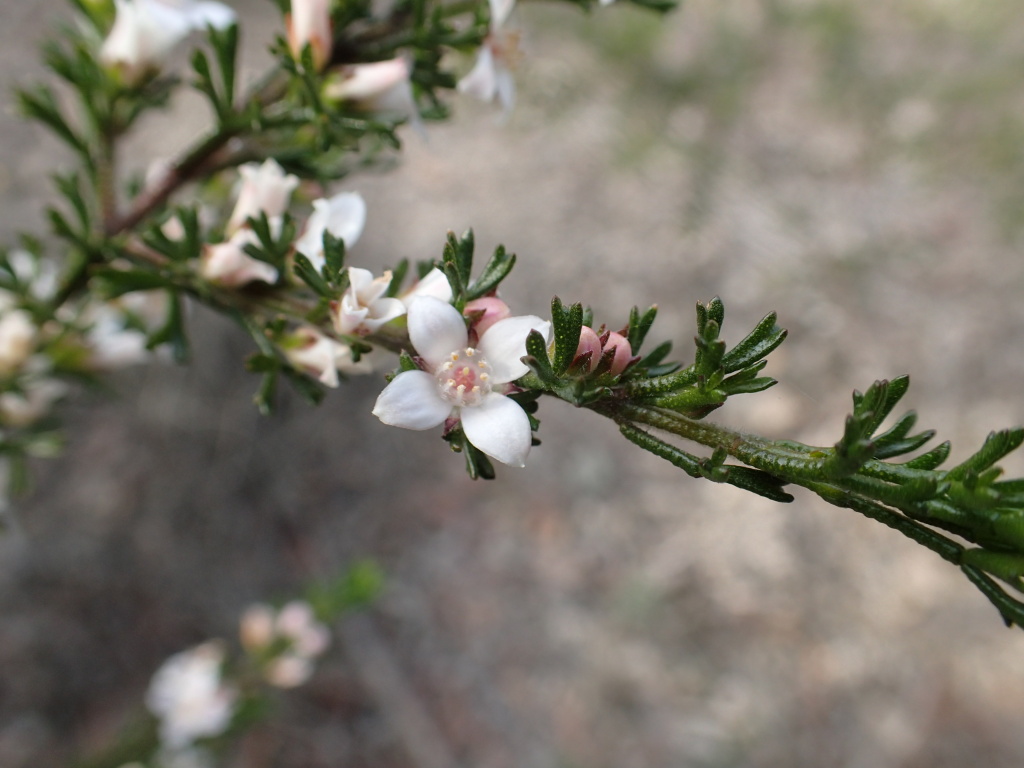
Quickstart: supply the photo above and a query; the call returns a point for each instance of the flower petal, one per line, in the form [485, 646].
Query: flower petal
[434, 283]
[504, 343]
[411, 401]
[436, 329]
[499, 428]
[481, 82]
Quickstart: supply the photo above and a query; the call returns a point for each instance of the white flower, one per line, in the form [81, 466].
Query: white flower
[491, 77]
[188, 697]
[380, 86]
[20, 409]
[310, 23]
[265, 189]
[229, 265]
[343, 215]
[322, 357]
[463, 382]
[301, 638]
[146, 31]
[363, 307]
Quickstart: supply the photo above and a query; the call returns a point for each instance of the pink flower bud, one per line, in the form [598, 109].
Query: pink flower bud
[309, 23]
[589, 342]
[623, 352]
[492, 310]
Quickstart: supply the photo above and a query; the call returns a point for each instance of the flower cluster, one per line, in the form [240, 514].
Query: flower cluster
[284, 643]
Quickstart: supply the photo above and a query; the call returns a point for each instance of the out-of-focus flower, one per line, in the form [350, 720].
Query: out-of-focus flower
[343, 215]
[189, 698]
[20, 409]
[463, 382]
[229, 265]
[291, 637]
[309, 23]
[18, 335]
[40, 275]
[382, 87]
[491, 76]
[321, 356]
[364, 307]
[146, 31]
[265, 189]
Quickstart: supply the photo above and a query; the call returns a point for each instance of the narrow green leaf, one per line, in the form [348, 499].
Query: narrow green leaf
[308, 274]
[932, 459]
[638, 327]
[497, 269]
[996, 446]
[760, 342]
[567, 326]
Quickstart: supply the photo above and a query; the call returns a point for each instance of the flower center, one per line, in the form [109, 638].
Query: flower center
[463, 379]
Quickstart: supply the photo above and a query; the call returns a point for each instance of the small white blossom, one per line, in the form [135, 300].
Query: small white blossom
[322, 357]
[363, 307]
[343, 215]
[146, 31]
[464, 382]
[189, 698]
[309, 23]
[265, 189]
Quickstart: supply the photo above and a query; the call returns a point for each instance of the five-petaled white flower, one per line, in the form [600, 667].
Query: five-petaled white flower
[146, 31]
[188, 697]
[343, 215]
[463, 382]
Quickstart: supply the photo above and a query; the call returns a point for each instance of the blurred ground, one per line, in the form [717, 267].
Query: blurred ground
[857, 167]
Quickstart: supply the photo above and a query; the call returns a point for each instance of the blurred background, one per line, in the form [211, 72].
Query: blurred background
[858, 167]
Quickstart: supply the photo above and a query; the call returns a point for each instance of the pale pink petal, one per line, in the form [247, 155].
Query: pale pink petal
[481, 82]
[500, 10]
[499, 428]
[208, 13]
[504, 344]
[436, 329]
[361, 82]
[412, 401]
[505, 88]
